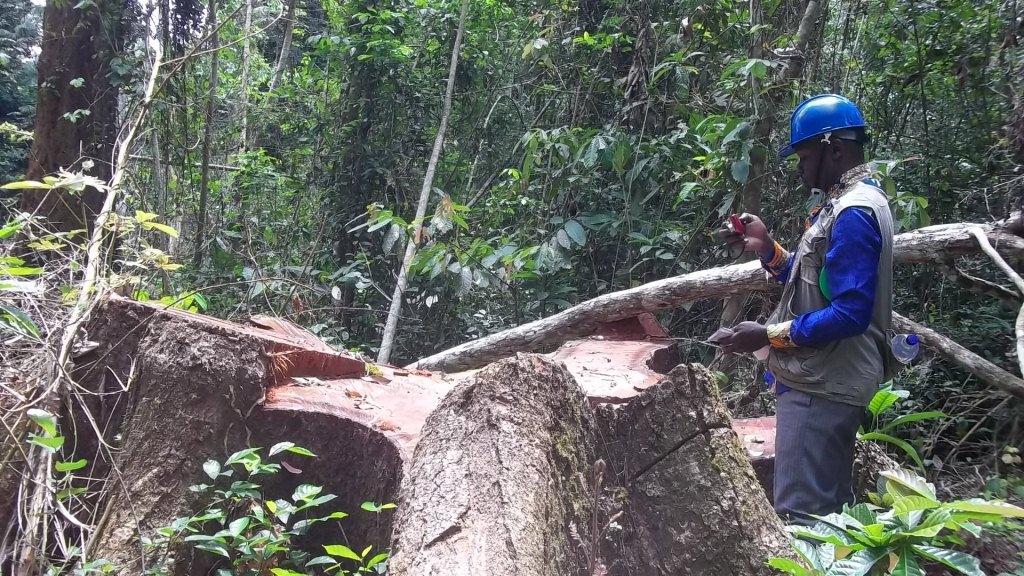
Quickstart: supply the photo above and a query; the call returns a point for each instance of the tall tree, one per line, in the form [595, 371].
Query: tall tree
[211, 106]
[76, 110]
[391, 325]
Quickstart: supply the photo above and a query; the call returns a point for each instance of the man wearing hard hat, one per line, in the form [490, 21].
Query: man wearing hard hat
[827, 338]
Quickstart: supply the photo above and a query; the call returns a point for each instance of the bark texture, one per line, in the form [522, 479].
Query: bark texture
[494, 488]
[76, 110]
[691, 500]
[200, 388]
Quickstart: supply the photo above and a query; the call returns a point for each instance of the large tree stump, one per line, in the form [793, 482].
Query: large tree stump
[495, 486]
[691, 502]
[200, 388]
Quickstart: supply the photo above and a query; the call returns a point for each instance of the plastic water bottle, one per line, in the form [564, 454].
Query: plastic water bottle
[905, 347]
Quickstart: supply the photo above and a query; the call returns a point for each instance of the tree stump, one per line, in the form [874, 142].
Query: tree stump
[496, 484]
[691, 501]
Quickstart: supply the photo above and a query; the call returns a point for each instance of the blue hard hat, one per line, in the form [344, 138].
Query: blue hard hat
[818, 115]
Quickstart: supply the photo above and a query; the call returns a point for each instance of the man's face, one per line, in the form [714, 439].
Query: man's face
[809, 163]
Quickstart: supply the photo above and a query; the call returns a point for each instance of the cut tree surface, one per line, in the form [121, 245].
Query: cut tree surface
[201, 388]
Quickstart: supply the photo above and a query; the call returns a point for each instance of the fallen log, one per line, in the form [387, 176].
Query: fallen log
[930, 244]
[986, 371]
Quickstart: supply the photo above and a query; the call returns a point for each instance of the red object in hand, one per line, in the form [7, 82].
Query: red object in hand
[737, 224]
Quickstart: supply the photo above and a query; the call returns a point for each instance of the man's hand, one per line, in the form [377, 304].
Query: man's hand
[755, 237]
[745, 337]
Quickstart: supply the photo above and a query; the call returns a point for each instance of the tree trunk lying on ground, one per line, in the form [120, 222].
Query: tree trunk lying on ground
[930, 244]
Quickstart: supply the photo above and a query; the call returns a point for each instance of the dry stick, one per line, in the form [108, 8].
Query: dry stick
[1017, 281]
[388, 339]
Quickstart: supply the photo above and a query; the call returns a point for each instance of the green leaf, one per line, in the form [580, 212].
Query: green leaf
[789, 566]
[907, 504]
[905, 483]
[963, 563]
[8, 230]
[884, 399]
[981, 506]
[342, 551]
[898, 442]
[238, 526]
[20, 270]
[212, 468]
[576, 232]
[17, 320]
[374, 507]
[321, 561]
[907, 565]
[861, 513]
[377, 560]
[142, 217]
[161, 227]
[280, 447]
[859, 563]
[246, 455]
[71, 466]
[915, 417]
[51, 444]
[306, 491]
[25, 185]
[285, 572]
[44, 419]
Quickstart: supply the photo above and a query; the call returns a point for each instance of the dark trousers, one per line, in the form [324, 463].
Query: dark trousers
[814, 443]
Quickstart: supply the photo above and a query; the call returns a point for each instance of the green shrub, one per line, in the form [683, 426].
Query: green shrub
[904, 529]
[249, 534]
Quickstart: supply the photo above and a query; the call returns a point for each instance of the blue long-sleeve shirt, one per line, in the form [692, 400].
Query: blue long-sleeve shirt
[850, 277]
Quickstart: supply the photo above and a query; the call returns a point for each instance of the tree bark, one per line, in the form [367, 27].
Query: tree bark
[692, 502]
[930, 244]
[286, 46]
[494, 487]
[74, 122]
[243, 143]
[391, 325]
[211, 106]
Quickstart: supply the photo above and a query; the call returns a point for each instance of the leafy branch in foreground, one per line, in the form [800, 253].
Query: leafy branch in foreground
[249, 534]
[905, 529]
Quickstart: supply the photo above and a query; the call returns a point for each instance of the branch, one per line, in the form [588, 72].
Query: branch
[1017, 281]
[980, 285]
[931, 244]
[986, 371]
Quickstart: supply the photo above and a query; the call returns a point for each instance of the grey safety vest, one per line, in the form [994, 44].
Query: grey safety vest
[848, 370]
